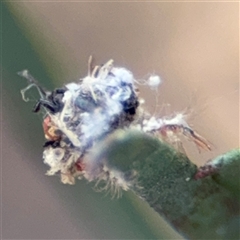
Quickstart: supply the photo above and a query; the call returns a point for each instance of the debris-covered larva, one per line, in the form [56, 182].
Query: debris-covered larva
[80, 114]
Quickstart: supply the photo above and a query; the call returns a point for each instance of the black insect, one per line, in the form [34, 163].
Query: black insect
[51, 101]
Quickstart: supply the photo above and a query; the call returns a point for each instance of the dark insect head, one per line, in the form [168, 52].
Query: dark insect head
[52, 102]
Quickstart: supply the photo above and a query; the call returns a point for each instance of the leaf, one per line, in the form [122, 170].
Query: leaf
[203, 208]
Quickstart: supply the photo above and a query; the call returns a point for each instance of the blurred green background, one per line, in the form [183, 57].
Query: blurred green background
[194, 48]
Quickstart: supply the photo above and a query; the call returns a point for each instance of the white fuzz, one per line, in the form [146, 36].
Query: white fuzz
[84, 112]
[154, 81]
[151, 124]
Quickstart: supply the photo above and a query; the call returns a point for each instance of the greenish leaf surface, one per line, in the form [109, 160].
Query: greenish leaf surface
[205, 208]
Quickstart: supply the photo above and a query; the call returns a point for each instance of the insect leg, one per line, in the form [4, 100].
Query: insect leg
[46, 104]
[32, 83]
[198, 140]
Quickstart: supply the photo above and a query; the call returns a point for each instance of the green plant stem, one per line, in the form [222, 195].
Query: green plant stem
[205, 208]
